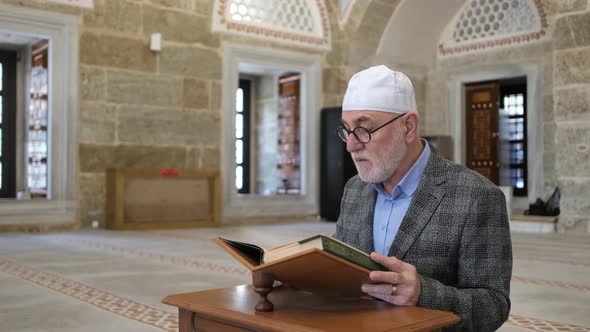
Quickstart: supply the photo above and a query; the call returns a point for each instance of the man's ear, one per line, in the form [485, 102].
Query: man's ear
[411, 126]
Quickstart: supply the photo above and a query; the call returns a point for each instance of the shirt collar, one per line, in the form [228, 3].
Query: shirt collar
[409, 182]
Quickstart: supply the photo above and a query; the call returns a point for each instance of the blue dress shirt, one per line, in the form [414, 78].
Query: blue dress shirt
[391, 209]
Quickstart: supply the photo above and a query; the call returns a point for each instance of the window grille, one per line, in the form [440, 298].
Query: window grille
[494, 23]
[303, 22]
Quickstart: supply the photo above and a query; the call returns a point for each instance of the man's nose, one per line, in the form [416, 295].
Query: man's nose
[353, 144]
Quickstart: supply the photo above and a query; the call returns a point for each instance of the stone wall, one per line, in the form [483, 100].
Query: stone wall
[571, 116]
[354, 48]
[143, 109]
[564, 60]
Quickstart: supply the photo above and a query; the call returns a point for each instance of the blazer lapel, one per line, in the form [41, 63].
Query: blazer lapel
[427, 198]
[364, 216]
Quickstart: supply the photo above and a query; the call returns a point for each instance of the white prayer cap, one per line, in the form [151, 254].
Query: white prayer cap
[380, 89]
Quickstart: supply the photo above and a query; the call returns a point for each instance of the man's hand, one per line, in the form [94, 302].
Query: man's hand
[400, 285]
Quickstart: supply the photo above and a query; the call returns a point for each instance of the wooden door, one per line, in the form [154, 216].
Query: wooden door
[482, 101]
[38, 122]
[288, 144]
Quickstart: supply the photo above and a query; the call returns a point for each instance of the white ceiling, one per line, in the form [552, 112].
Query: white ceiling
[414, 29]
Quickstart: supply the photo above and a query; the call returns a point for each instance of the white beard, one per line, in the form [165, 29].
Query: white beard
[381, 166]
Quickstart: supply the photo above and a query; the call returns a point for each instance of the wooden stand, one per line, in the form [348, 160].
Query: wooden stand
[233, 309]
[263, 286]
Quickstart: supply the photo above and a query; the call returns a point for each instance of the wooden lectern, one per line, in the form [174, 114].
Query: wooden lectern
[232, 309]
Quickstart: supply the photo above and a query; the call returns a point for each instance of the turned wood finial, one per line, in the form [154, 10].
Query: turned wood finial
[263, 286]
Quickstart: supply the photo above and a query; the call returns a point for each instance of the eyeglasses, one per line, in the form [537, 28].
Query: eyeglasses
[362, 134]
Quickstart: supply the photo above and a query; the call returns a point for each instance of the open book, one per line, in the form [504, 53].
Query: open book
[320, 264]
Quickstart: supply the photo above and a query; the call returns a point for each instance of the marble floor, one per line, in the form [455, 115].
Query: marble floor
[113, 281]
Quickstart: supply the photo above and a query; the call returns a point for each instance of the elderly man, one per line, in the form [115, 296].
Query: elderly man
[440, 228]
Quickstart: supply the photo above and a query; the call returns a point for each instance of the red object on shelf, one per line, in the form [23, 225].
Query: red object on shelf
[169, 172]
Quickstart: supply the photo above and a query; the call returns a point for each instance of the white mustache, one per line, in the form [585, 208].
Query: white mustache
[359, 156]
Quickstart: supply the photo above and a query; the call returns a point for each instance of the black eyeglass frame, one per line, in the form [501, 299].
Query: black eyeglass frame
[340, 130]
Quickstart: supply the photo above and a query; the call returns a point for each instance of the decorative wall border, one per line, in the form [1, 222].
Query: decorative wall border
[501, 42]
[550, 283]
[237, 271]
[112, 303]
[558, 261]
[542, 325]
[161, 258]
[167, 321]
[220, 23]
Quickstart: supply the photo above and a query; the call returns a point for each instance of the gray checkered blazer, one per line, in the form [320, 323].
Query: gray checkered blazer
[457, 235]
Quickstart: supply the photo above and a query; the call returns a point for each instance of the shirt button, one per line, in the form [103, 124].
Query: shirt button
[382, 228]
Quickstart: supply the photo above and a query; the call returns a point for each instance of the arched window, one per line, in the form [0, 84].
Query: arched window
[482, 24]
[301, 22]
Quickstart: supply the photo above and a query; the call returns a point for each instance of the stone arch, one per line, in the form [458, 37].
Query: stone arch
[407, 40]
[354, 42]
[408, 44]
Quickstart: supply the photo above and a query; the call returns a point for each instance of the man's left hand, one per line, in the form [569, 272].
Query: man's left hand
[400, 285]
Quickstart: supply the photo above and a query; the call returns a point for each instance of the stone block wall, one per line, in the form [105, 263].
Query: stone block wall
[571, 101]
[138, 108]
[354, 46]
[564, 60]
[143, 109]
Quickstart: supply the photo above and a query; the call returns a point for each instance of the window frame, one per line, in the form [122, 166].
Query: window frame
[8, 124]
[61, 207]
[238, 206]
[533, 71]
[511, 87]
[246, 86]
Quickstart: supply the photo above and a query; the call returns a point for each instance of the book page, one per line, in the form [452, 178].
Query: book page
[291, 249]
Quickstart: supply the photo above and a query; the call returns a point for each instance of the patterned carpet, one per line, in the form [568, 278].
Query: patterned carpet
[114, 281]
